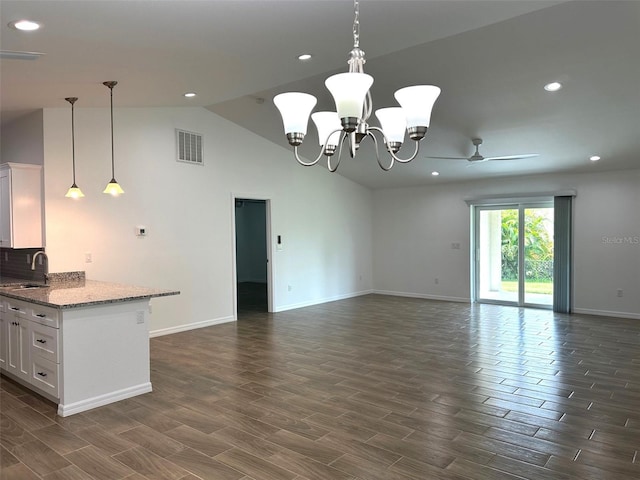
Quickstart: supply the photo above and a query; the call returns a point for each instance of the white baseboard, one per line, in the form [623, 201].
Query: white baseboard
[64, 410]
[606, 313]
[293, 306]
[189, 326]
[423, 295]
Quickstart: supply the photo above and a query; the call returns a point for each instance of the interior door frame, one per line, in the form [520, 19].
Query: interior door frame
[521, 206]
[270, 255]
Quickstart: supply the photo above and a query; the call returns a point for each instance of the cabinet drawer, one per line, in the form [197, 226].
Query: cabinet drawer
[44, 316]
[44, 375]
[16, 307]
[44, 342]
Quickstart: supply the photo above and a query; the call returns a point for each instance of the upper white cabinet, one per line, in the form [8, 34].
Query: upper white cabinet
[20, 206]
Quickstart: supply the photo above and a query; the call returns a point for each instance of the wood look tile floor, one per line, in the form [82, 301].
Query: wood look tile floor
[369, 388]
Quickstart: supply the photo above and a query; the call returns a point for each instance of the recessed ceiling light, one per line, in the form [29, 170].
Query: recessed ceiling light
[435, 174]
[189, 94]
[594, 158]
[25, 25]
[304, 56]
[553, 86]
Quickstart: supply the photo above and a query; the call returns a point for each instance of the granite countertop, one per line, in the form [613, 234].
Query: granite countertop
[82, 293]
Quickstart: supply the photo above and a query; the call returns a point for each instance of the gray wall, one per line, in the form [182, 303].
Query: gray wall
[23, 141]
[415, 227]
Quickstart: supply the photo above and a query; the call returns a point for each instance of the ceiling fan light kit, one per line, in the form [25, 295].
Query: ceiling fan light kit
[352, 97]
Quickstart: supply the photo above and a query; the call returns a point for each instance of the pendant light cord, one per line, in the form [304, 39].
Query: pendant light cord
[73, 144]
[72, 101]
[113, 170]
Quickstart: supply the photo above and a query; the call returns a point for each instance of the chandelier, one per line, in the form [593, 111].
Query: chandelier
[353, 102]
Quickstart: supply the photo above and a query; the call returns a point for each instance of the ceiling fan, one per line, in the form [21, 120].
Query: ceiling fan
[477, 157]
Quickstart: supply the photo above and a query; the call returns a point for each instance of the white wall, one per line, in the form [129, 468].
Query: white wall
[325, 219]
[414, 229]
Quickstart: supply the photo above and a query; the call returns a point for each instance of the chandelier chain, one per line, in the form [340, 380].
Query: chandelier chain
[356, 24]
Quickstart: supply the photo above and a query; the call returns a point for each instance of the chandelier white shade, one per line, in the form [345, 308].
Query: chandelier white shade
[417, 103]
[393, 122]
[349, 91]
[328, 126]
[349, 123]
[295, 108]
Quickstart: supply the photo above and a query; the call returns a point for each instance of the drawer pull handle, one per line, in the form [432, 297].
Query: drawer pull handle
[41, 315]
[40, 340]
[42, 374]
[15, 309]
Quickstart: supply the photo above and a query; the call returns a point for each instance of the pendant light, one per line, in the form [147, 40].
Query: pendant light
[112, 187]
[74, 191]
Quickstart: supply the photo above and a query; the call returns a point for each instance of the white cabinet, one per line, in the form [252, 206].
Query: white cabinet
[4, 333]
[80, 358]
[18, 350]
[44, 343]
[30, 347]
[20, 205]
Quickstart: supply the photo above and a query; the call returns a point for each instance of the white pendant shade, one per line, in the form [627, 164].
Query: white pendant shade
[295, 108]
[393, 123]
[74, 192]
[349, 91]
[327, 122]
[417, 103]
[113, 188]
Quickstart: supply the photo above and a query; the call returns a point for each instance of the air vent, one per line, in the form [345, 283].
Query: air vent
[189, 147]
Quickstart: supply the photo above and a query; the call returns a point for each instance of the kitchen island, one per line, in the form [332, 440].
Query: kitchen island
[79, 343]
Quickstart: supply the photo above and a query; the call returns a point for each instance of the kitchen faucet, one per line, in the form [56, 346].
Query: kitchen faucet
[33, 262]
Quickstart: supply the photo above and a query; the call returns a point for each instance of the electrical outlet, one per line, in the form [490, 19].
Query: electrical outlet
[455, 245]
[436, 281]
[140, 317]
[289, 288]
[88, 258]
[620, 292]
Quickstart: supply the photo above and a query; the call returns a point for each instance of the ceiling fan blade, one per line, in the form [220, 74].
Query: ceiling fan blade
[449, 158]
[514, 157]
[11, 55]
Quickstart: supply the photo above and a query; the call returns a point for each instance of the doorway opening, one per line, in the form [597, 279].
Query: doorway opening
[252, 269]
[514, 247]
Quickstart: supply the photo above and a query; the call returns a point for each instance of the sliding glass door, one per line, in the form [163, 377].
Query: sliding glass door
[538, 255]
[514, 254]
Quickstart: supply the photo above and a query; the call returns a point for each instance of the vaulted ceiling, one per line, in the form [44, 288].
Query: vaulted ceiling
[491, 59]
